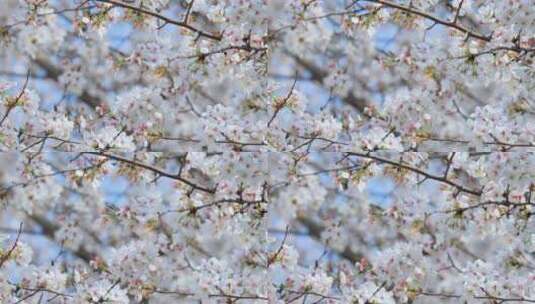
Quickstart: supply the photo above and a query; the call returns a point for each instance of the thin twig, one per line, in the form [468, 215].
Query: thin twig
[6, 256]
[163, 18]
[13, 104]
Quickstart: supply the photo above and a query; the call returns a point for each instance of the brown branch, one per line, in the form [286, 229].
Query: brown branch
[448, 164]
[232, 298]
[202, 56]
[488, 296]
[457, 12]
[188, 11]
[451, 24]
[522, 51]
[236, 201]
[153, 169]
[271, 259]
[453, 265]
[441, 179]
[369, 300]
[77, 8]
[505, 145]
[281, 105]
[181, 24]
[36, 290]
[6, 256]
[13, 104]
[506, 203]
[305, 293]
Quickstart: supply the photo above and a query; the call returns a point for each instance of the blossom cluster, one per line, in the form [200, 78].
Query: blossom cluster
[304, 151]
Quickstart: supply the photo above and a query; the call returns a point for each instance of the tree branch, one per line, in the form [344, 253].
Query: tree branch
[452, 24]
[181, 24]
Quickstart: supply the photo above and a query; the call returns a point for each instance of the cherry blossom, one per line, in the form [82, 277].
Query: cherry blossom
[267, 151]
